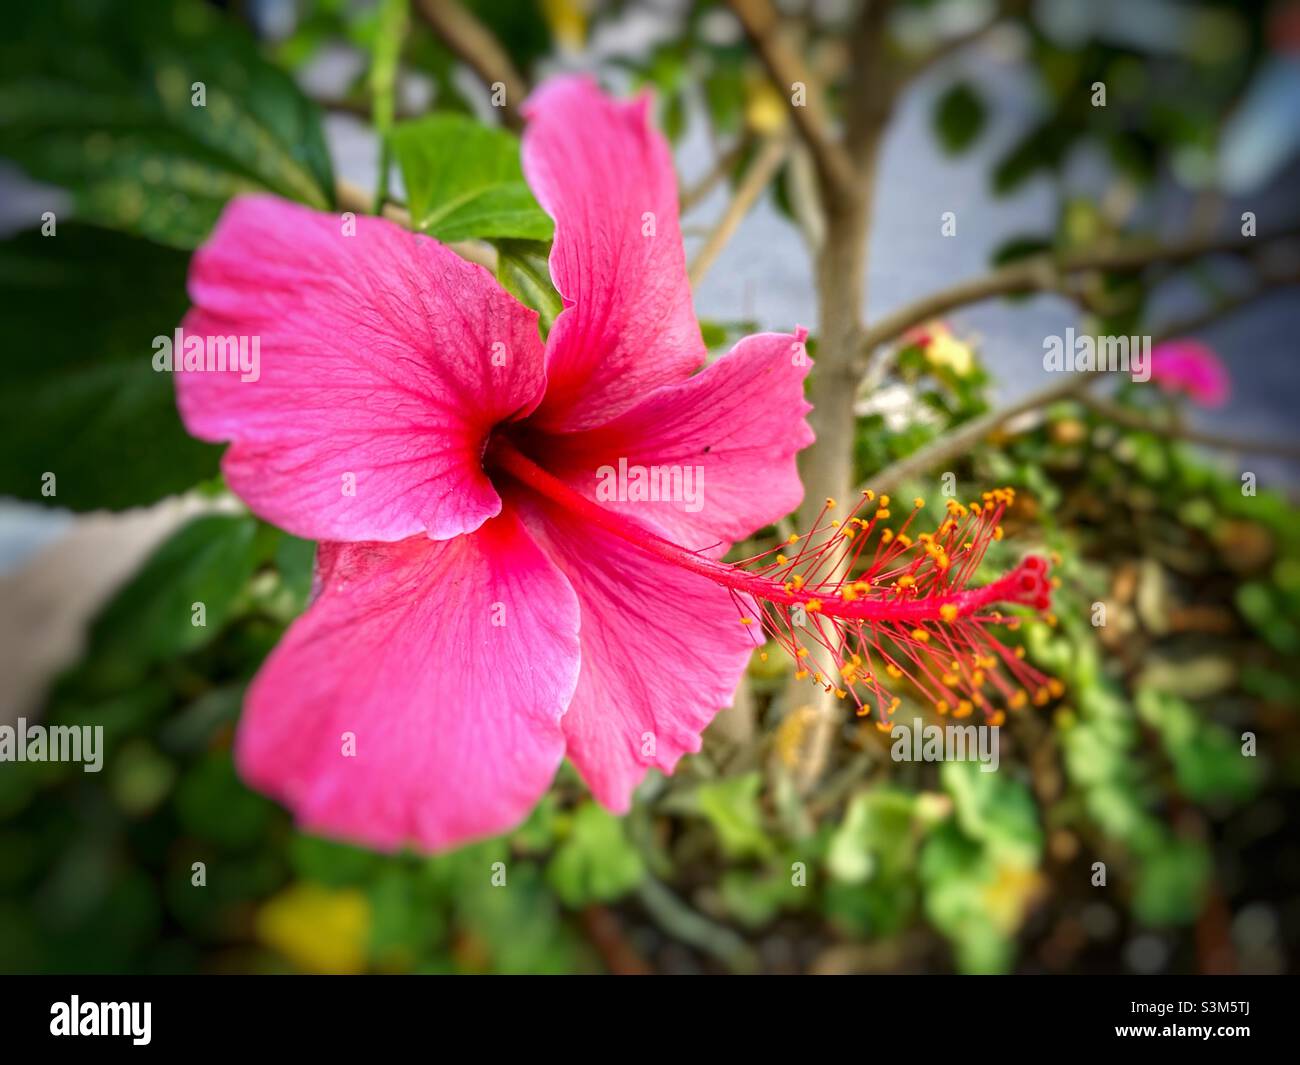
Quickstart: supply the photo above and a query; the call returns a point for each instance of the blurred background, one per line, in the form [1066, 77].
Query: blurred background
[1167, 210]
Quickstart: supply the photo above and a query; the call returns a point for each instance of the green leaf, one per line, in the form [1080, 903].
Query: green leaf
[1172, 883]
[523, 271]
[81, 398]
[596, 863]
[1020, 247]
[153, 114]
[959, 117]
[463, 180]
[152, 618]
[731, 806]
[995, 810]
[876, 837]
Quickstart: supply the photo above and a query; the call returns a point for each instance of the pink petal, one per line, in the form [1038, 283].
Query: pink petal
[384, 356]
[450, 662]
[662, 651]
[735, 427]
[606, 176]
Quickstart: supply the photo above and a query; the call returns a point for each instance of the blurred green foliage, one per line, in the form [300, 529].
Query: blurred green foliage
[166, 862]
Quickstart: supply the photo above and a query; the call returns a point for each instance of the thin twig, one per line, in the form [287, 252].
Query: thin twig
[771, 154]
[474, 45]
[965, 436]
[717, 173]
[1044, 273]
[1135, 419]
[688, 926]
[787, 71]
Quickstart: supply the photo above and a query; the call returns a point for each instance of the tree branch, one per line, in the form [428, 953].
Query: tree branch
[966, 436]
[693, 194]
[785, 67]
[475, 46]
[1135, 419]
[1044, 273]
[771, 154]
[963, 438]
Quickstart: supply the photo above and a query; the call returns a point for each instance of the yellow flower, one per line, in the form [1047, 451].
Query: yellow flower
[318, 929]
[944, 349]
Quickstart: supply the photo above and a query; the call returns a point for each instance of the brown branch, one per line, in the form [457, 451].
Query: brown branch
[720, 169]
[475, 46]
[1007, 9]
[963, 438]
[966, 436]
[786, 69]
[1135, 419]
[1044, 273]
[771, 154]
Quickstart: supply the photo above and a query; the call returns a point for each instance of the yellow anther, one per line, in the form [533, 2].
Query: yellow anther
[830, 503]
[747, 621]
[868, 495]
[882, 514]
[964, 708]
[942, 706]
[906, 581]
[951, 680]
[948, 612]
[998, 533]
[1018, 700]
[918, 502]
[1020, 652]
[801, 674]
[793, 538]
[781, 560]
[1055, 687]
[920, 635]
[884, 501]
[893, 671]
[813, 605]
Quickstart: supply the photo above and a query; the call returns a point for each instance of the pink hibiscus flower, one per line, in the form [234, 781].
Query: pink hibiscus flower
[467, 632]
[1190, 367]
[483, 608]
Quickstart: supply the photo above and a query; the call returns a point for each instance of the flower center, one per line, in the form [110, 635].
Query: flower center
[840, 610]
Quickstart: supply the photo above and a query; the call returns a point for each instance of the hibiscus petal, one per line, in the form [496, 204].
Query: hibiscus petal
[450, 663]
[662, 651]
[385, 360]
[731, 431]
[606, 176]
